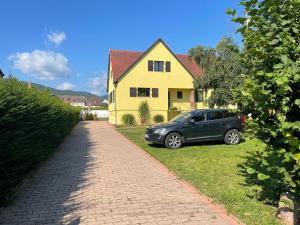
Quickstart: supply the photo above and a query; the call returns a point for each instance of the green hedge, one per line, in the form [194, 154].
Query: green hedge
[32, 124]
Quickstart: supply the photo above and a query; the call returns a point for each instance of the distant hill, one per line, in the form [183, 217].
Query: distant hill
[67, 92]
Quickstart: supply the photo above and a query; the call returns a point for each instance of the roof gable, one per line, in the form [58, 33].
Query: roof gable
[122, 61]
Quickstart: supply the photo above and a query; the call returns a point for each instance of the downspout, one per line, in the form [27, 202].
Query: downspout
[116, 114]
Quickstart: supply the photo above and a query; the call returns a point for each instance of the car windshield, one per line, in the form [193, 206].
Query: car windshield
[182, 117]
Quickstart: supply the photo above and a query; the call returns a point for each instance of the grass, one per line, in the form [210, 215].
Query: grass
[216, 170]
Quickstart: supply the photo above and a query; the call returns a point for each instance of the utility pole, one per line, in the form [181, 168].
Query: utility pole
[29, 83]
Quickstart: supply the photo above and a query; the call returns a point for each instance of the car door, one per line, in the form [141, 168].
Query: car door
[215, 124]
[194, 129]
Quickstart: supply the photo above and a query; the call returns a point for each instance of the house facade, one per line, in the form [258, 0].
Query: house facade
[158, 76]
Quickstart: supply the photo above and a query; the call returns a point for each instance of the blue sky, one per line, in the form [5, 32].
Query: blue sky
[64, 44]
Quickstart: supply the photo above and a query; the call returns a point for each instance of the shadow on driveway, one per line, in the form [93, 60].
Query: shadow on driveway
[48, 196]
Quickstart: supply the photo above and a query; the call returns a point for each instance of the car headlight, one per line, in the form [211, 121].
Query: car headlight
[160, 131]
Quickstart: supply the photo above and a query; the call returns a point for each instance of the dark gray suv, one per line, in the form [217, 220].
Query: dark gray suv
[196, 126]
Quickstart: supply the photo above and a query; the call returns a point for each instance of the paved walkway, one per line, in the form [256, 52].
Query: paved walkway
[98, 177]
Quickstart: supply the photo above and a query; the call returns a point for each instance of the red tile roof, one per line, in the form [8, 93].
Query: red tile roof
[121, 60]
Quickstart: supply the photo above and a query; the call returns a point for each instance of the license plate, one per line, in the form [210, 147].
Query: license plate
[146, 136]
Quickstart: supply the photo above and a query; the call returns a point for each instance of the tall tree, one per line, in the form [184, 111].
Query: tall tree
[271, 91]
[222, 71]
[1, 74]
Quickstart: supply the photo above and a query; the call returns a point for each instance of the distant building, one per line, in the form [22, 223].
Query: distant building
[81, 101]
[105, 101]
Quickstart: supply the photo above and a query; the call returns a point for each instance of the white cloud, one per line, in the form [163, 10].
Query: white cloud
[44, 65]
[57, 38]
[97, 84]
[66, 86]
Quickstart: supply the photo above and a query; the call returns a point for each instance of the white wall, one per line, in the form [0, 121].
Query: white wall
[100, 113]
[77, 104]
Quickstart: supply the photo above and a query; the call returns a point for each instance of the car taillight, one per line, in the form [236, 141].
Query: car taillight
[243, 119]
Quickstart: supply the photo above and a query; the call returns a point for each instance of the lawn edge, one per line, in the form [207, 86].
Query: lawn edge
[219, 208]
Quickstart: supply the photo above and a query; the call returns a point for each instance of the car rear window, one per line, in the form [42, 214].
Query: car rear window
[229, 114]
[214, 115]
[220, 114]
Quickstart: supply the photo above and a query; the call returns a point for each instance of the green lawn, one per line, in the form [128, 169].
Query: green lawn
[215, 170]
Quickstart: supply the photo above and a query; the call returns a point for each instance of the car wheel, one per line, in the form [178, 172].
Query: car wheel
[173, 141]
[232, 137]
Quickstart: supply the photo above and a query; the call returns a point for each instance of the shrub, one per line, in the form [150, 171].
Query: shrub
[128, 119]
[144, 112]
[101, 107]
[271, 91]
[158, 118]
[32, 124]
[89, 116]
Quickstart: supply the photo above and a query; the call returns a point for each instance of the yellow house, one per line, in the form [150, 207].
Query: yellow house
[158, 76]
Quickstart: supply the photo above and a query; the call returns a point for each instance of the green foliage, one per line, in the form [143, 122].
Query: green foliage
[158, 118]
[128, 120]
[144, 112]
[222, 71]
[271, 88]
[101, 107]
[32, 124]
[89, 116]
[174, 108]
[1, 74]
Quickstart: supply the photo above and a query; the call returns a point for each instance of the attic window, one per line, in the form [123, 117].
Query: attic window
[159, 66]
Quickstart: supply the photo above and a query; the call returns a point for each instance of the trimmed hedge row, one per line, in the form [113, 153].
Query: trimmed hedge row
[32, 124]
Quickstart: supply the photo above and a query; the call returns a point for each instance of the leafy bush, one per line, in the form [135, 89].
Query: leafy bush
[128, 119]
[101, 107]
[271, 90]
[222, 71]
[89, 116]
[144, 112]
[158, 118]
[32, 124]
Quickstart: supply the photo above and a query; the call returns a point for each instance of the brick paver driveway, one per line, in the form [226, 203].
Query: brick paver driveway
[98, 177]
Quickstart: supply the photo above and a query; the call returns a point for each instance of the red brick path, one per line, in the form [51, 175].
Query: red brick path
[99, 177]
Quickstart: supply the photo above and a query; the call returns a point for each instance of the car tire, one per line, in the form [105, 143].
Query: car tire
[173, 141]
[232, 137]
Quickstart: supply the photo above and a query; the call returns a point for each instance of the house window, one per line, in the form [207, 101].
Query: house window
[144, 92]
[159, 66]
[179, 94]
[132, 92]
[154, 92]
[113, 96]
[110, 97]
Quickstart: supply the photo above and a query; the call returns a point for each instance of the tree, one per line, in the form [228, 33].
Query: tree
[1, 74]
[271, 90]
[222, 71]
